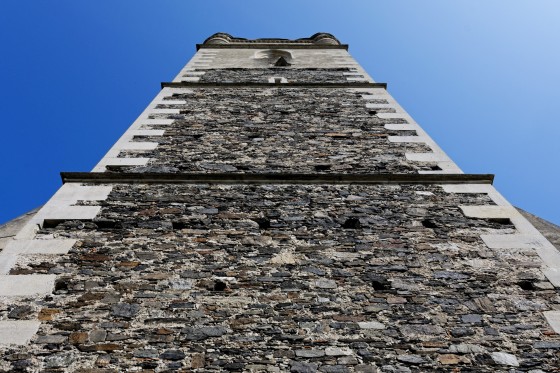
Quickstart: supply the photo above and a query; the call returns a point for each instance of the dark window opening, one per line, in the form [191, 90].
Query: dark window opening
[220, 286]
[282, 62]
[263, 223]
[322, 167]
[352, 223]
[429, 223]
[526, 285]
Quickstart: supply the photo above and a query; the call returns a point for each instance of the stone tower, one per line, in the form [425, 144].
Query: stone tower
[272, 210]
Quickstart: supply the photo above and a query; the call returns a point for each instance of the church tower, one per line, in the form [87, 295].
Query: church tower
[274, 209]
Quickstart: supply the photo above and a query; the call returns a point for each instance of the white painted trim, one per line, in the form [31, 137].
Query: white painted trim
[138, 145]
[139, 161]
[477, 188]
[444, 162]
[379, 95]
[69, 212]
[73, 192]
[277, 80]
[553, 318]
[143, 120]
[380, 106]
[26, 285]
[136, 133]
[52, 246]
[427, 157]
[410, 139]
[8, 256]
[528, 236]
[553, 274]
[157, 122]
[172, 102]
[488, 212]
[445, 168]
[400, 115]
[193, 73]
[165, 111]
[399, 127]
[59, 207]
[7, 262]
[512, 241]
[18, 332]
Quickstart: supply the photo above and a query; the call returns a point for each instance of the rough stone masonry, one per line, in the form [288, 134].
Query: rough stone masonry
[275, 210]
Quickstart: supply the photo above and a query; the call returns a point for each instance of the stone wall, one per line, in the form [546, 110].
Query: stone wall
[301, 278]
[277, 130]
[157, 273]
[241, 75]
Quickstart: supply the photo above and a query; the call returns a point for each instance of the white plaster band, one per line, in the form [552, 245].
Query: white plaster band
[426, 157]
[369, 91]
[527, 238]
[138, 146]
[168, 92]
[553, 275]
[445, 168]
[26, 285]
[551, 259]
[18, 332]
[375, 95]
[467, 188]
[8, 256]
[165, 111]
[393, 116]
[413, 139]
[160, 122]
[135, 133]
[69, 212]
[171, 102]
[190, 79]
[380, 106]
[54, 246]
[125, 161]
[356, 79]
[399, 126]
[553, 318]
[477, 188]
[193, 73]
[70, 193]
[512, 241]
[7, 262]
[488, 212]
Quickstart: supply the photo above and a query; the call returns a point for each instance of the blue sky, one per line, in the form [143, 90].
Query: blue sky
[480, 76]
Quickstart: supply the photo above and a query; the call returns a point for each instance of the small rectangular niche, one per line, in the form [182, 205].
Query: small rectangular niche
[277, 80]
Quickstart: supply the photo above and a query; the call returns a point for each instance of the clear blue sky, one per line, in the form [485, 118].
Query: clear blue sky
[482, 77]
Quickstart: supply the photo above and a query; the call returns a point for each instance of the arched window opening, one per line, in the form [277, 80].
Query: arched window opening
[275, 57]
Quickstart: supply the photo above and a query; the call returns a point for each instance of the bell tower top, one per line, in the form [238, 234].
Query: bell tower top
[318, 40]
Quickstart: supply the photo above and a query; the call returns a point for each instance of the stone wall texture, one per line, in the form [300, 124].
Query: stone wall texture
[242, 75]
[279, 277]
[258, 130]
